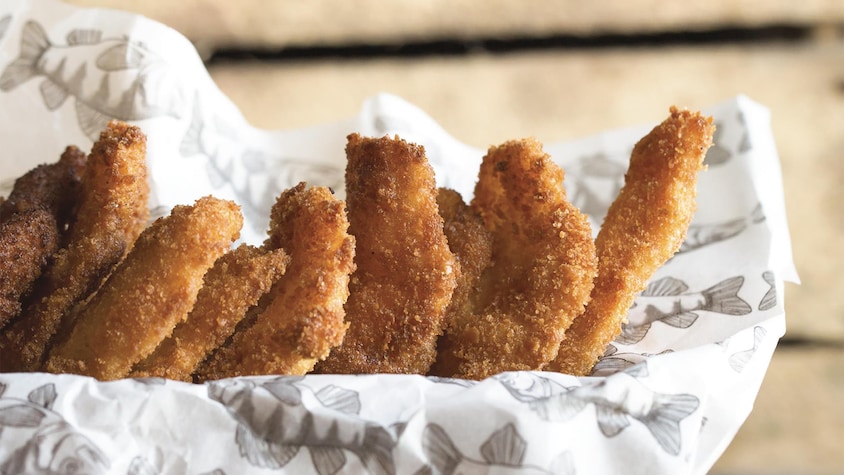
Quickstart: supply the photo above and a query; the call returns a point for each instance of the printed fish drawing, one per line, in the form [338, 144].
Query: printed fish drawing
[596, 180]
[739, 360]
[140, 465]
[503, 453]
[745, 144]
[52, 445]
[700, 235]
[274, 423]
[769, 300]
[463, 383]
[109, 78]
[4, 25]
[668, 301]
[254, 176]
[618, 399]
[717, 153]
[614, 361]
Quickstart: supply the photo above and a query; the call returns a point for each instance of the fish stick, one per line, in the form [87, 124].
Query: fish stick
[644, 227]
[540, 270]
[152, 290]
[406, 272]
[27, 239]
[234, 284]
[111, 213]
[54, 187]
[472, 244]
[32, 224]
[304, 318]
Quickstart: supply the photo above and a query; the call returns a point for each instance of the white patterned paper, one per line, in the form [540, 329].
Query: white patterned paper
[668, 396]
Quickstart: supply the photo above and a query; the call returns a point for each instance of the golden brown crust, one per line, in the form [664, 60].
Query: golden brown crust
[234, 284]
[644, 227]
[111, 213]
[405, 271]
[304, 317]
[152, 290]
[541, 271]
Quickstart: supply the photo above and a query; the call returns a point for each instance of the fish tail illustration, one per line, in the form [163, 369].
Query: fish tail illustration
[757, 215]
[439, 448]
[663, 421]
[632, 335]
[34, 42]
[377, 452]
[723, 297]
[192, 141]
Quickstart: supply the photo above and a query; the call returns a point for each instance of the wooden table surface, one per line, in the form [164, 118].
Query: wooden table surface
[489, 71]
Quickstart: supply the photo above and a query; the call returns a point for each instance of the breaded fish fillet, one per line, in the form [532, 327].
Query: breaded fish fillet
[152, 290]
[32, 224]
[540, 272]
[54, 187]
[644, 227]
[405, 271]
[111, 213]
[234, 284]
[304, 317]
[27, 240]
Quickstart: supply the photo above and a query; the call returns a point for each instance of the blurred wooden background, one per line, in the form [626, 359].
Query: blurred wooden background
[490, 70]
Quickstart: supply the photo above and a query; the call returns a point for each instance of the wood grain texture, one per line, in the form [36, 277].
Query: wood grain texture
[259, 23]
[795, 426]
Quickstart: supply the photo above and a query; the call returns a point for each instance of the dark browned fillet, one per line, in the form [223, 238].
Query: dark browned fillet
[112, 212]
[32, 221]
[27, 239]
[54, 187]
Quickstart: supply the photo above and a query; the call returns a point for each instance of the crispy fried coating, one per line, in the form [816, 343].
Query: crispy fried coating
[152, 290]
[112, 211]
[32, 223]
[540, 273]
[304, 318]
[644, 227]
[27, 239]
[471, 242]
[405, 271]
[234, 284]
[54, 187]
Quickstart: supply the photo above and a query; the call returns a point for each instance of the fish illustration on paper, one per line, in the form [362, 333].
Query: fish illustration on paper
[614, 361]
[769, 300]
[745, 144]
[704, 234]
[595, 181]
[108, 78]
[739, 360]
[52, 445]
[140, 465]
[256, 177]
[275, 423]
[668, 301]
[4, 25]
[503, 453]
[618, 400]
[717, 153]
[463, 383]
